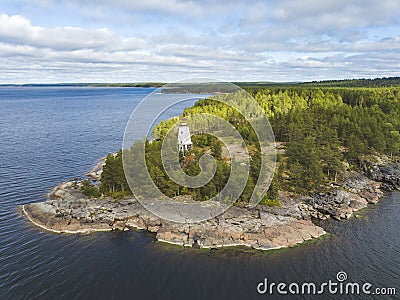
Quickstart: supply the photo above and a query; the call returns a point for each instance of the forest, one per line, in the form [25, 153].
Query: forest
[323, 128]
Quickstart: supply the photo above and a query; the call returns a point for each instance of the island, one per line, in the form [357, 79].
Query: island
[337, 149]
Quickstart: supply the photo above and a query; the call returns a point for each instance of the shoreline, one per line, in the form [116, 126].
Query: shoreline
[67, 211]
[88, 231]
[275, 232]
[37, 224]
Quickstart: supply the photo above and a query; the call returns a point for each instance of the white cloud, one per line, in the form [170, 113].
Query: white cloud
[237, 40]
[18, 30]
[336, 13]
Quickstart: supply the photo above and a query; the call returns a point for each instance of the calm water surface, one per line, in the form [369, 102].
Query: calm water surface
[50, 135]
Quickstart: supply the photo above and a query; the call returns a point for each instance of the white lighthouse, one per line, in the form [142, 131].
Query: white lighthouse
[184, 140]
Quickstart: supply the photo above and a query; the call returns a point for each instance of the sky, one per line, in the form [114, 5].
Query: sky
[57, 41]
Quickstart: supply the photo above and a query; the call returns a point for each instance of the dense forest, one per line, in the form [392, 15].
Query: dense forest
[375, 82]
[324, 130]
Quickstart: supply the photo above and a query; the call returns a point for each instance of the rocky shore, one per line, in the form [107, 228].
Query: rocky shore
[67, 210]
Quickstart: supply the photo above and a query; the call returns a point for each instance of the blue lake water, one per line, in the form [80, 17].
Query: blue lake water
[51, 134]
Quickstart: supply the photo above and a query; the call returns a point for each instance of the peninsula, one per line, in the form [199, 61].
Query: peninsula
[337, 151]
[69, 211]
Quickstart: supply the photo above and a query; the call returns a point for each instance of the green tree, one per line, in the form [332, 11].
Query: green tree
[216, 148]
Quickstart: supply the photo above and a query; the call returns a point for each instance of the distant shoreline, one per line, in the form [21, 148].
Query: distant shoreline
[122, 85]
[350, 83]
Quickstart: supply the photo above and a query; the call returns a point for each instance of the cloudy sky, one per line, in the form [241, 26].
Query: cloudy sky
[50, 41]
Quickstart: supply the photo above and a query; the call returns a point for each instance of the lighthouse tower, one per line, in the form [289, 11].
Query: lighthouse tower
[184, 140]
